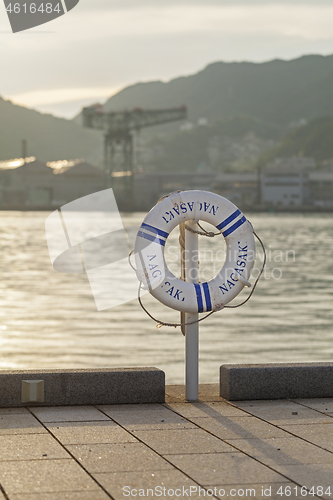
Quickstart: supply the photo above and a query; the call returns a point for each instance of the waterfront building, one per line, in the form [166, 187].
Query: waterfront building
[285, 182]
[75, 179]
[25, 182]
[28, 183]
[321, 187]
[295, 183]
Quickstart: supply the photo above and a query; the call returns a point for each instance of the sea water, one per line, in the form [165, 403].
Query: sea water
[50, 320]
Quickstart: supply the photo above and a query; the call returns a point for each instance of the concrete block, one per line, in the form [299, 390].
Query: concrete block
[276, 381]
[85, 387]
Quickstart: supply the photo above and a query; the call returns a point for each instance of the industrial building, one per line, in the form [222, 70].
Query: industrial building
[321, 186]
[295, 182]
[31, 184]
[240, 188]
[292, 183]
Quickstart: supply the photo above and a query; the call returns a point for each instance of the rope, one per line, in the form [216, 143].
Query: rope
[203, 231]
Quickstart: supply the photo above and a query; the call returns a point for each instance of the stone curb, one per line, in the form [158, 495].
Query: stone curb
[81, 387]
[276, 381]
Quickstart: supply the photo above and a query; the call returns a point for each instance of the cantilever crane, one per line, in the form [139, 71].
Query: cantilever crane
[118, 127]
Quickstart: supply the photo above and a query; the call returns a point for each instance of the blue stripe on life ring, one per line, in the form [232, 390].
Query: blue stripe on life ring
[154, 230]
[229, 219]
[207, 296]
[233, 228]
[150, 237]
[199, 297]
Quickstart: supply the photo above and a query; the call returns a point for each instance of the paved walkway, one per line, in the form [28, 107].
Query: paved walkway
[248, 449]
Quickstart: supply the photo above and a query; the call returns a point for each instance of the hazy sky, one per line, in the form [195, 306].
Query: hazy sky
[103, 45]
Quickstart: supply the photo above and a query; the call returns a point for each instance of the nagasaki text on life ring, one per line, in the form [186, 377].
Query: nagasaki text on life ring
[153, 272]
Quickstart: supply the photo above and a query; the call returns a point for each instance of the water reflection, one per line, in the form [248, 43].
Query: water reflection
[50, 320]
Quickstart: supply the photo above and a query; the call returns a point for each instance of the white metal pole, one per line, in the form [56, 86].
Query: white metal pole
[192, 331]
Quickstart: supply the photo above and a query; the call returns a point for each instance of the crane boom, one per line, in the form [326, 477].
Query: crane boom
[116, 122]
[118, 128]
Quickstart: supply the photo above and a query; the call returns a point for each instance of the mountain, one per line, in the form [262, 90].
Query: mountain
[277, 91]
[48, 138]
[267, 96]
[313, 139]
[232, 144]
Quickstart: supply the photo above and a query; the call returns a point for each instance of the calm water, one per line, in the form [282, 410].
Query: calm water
[49, 320]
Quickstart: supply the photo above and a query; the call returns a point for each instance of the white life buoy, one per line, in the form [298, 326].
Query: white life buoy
[153, 272]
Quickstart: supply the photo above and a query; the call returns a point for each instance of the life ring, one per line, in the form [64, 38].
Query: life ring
[153, 272]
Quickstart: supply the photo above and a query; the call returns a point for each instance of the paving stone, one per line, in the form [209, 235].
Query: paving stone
[68, 414]
[207, 392]
[169, 479]
[180, 441]
[290, 450]
[63, 495]
[310, 475]
[90, 432]
[155, 419]
[137, 407]
[2, 497]
[319, 434]
[39, 476]
[189, 410]
[239, 427]
[118, 457]
[30, 447]
[311, 430]
[265, 403]
[13, 411]
[259, 491]
[324, 405]
[288, 414]
[167, 432]
[224, 468]
[20, 423]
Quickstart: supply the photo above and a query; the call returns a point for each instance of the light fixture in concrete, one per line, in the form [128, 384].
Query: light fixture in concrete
[32, 391]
